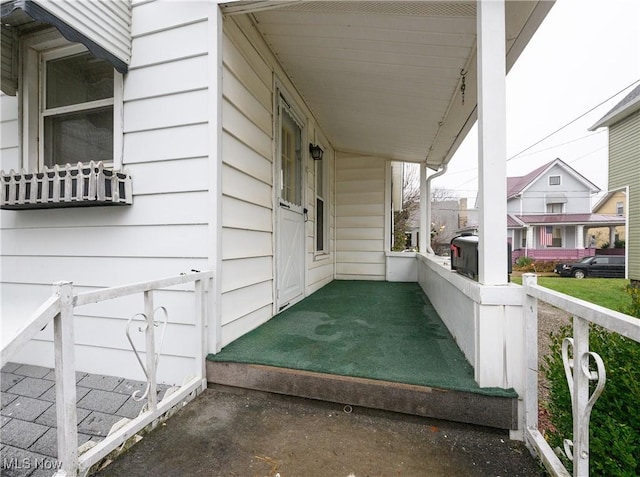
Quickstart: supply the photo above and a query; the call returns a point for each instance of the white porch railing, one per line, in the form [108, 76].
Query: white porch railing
[60, 309]
[577, 370]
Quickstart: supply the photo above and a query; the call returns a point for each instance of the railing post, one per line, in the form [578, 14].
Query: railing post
[149, 311]
[65, 372]
[215, 318]
[531, 352]
[580, 398]
[201, 331]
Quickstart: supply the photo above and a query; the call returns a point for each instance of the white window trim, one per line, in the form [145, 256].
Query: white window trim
[559, 180]
[325, 252]
[49, 44]
[562, 205]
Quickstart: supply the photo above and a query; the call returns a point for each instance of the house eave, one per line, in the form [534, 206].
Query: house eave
[618, 114]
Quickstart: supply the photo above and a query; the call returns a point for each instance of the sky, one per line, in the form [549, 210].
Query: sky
[584, 52]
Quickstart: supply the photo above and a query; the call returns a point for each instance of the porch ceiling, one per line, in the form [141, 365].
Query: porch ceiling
[384, 78]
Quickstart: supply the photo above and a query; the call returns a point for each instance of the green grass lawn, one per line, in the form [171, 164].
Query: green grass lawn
[607, 292]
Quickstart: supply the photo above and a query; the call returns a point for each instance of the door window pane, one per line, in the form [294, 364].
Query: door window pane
[291, 160]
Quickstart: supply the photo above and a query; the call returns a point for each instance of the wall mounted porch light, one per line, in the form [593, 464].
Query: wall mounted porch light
[316, 152]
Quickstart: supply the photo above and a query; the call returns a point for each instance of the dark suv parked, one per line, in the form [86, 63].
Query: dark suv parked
[608, 266]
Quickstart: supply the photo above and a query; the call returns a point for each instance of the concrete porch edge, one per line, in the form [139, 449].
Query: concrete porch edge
[471, 408]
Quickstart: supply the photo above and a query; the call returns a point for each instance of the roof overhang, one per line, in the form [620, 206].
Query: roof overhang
[396, 79]
[30, 15]
[618, 114]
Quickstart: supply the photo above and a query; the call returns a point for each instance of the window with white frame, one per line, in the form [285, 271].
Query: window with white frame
[619, 208]
[68, 100]
[77, 108]
[555, 208]
[321, 209]
[554, 180]
[70, 116]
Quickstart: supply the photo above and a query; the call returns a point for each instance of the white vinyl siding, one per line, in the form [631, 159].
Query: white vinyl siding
[247, 188]
[9, 133]
[576, 195]
[360, 202]
[247, 185]
[106, 23]
[320, 266]
[165, 232]
[624, 171]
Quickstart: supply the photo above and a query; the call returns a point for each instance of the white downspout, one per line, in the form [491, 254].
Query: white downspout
[427, 212]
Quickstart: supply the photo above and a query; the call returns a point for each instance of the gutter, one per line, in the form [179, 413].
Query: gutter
[428, 211]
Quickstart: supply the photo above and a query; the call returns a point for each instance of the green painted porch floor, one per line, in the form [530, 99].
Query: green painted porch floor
[376, 330]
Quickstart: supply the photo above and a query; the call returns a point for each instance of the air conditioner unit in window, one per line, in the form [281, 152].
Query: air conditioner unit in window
[80, 185]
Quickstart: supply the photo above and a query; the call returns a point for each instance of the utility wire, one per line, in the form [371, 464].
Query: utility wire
[593, 134]
[573, 120]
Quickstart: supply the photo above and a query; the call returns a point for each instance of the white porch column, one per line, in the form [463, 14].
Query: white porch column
[492, 148]
[529, 238]
[214, 37]
[425, 212]
[579, 236]
[612, 237]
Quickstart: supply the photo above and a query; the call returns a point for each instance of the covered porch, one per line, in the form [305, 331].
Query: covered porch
[368, 343]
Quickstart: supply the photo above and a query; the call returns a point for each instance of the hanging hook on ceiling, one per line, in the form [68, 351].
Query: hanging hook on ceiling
[463, 86]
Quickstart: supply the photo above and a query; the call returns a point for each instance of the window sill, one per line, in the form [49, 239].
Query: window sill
[81, 185]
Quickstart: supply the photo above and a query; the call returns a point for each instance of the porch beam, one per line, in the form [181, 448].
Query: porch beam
[492, 147]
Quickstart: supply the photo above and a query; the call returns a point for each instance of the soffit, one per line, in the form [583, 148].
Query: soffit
[384, 78]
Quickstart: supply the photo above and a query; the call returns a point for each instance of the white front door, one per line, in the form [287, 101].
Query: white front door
[290, 220]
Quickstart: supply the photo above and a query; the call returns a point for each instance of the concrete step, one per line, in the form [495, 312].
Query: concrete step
[458, 406]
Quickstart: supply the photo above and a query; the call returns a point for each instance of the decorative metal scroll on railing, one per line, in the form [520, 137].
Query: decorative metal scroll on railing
[578, 367]
[76, 185]
[581, 409]
[145, 328]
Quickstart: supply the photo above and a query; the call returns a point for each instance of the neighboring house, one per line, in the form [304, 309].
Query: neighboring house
[550, 214]
[623, 122]
[446, 217]
[253, 139]
[613, 203]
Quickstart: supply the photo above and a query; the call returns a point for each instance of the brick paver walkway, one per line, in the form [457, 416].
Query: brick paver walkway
[28, 443]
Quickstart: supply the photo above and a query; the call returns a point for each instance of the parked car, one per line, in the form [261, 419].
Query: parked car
[607, 266]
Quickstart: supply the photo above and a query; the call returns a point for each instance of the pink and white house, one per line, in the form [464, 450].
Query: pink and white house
[549, 213]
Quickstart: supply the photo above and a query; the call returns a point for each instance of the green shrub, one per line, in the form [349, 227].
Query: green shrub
[633, 308]
[523, 262]
[614, 431]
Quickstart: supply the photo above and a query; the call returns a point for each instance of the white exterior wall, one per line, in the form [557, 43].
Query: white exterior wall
[164, 232]
[578, 196]
[320, 267]
[248, 242]
[9, 136]
[247, 188]
[360, 212]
